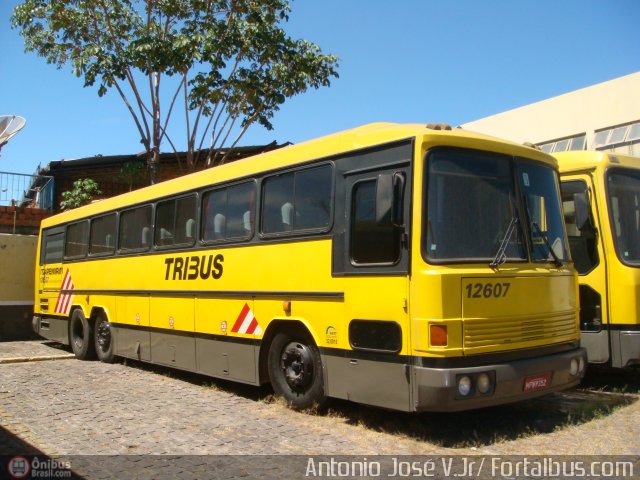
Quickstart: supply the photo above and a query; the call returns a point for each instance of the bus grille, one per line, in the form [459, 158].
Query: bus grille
[480, 333]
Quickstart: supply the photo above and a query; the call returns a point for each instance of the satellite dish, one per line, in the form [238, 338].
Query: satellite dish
[9, 126]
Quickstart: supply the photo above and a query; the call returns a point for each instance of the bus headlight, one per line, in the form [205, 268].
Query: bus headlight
[483, 383]
[573, 368]
[581, 365]
[464, 386]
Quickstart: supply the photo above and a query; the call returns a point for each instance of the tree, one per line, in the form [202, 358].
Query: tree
[82, 193]
[230, 63]
[130, 173]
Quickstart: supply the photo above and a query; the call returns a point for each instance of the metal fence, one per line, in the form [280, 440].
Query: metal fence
[20, 190]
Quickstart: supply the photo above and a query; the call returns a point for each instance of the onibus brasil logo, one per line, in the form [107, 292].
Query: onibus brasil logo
[21, 467]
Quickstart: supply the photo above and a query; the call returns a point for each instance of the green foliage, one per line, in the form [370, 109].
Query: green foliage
[232, 60]
[82, 193]
[130, 173]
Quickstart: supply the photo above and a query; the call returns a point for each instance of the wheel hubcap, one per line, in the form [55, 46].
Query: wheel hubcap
[297, 365]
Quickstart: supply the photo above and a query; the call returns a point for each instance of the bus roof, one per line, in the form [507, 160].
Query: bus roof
[580, 160]
[363, 137]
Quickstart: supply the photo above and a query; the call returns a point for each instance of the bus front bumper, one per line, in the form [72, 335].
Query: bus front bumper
[440, 389]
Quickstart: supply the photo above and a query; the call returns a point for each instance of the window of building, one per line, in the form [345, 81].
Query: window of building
[297, 201]
[175, 222]
[135, 229]
[601, 138]
[614, 136]
[76, 240]
[634, 132]
[103, 235]
[547, 147]
[618, 134]
[228, 213]
[561, 145]
[576, 142]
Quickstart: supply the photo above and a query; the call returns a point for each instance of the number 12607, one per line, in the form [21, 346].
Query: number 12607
[488, 290]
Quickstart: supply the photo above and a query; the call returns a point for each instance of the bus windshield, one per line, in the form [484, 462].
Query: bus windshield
[465, 185]
[624, 201]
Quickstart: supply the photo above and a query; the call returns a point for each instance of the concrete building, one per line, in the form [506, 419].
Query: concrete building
[605, 116]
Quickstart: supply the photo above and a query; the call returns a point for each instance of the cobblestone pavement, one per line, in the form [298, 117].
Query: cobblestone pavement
[73, 407]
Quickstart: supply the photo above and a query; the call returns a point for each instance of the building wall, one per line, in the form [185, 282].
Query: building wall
[21, 220]
[17, 277]
[585, 111]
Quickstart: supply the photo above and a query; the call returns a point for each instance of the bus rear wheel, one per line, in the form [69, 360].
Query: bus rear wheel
[81, 336]
[295, 370]
[103, 337]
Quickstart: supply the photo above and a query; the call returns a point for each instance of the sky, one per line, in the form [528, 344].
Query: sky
[406, 61]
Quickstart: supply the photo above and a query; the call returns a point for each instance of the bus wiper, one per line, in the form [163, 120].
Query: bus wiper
[501, 255]
[556, 261]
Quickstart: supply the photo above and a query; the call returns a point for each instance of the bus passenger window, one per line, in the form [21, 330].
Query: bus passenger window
[165, 213]
[135, 227]
[298, 201]
[77, 241]
[313, 198]
[174, 221]
[103, 230]
[228, 213]
[278, 192]
[52, 247]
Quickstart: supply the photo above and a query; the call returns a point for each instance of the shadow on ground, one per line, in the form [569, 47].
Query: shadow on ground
[17, 455]
[601, 393]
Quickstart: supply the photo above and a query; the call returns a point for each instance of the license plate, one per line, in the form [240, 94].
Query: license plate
[537, 382]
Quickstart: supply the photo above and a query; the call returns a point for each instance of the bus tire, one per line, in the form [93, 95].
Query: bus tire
[295, 370]
[103, 338]
[81, 336]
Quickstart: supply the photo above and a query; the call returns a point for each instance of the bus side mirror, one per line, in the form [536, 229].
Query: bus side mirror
[583, 217]
[390, 199]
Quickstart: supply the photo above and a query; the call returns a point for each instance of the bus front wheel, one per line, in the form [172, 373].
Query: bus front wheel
[81, 336]
[103, 337]
[295, 370]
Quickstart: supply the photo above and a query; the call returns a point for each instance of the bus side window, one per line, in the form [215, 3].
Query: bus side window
[77, 240]
[582, 241]
[52, 247]
[278, 192]
[371, 243]
[227, 213]
[101, 238]
[184, 223]
[165, 213]
[298, 201]
[135, 228]
[174, 221]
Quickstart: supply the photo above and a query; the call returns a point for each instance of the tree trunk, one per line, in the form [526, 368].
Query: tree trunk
[153, 162]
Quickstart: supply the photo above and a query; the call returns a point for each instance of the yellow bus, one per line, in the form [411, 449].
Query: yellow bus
[411, 267]
[601, 197]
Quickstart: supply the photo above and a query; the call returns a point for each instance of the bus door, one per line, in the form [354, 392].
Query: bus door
[370, 252]
[585, 242]
[53, 305]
